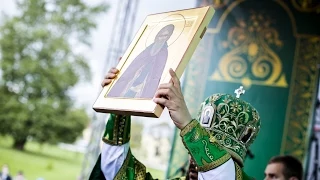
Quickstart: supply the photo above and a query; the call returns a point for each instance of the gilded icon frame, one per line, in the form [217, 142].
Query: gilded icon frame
[189, 27]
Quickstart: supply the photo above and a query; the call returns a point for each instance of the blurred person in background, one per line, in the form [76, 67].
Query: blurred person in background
[283, 168]
[20, 176]
[5, 174]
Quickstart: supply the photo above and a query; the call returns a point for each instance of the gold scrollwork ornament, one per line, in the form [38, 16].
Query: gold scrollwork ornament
[250, 58]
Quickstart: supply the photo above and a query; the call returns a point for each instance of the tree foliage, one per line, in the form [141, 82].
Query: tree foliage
[39, 66]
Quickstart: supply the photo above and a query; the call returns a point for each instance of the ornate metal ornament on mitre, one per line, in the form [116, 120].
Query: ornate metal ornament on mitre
[232, 122]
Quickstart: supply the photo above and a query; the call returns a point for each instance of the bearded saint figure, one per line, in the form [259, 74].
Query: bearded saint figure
[142, 77]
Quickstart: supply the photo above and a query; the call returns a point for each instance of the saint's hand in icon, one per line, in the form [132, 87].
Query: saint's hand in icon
[142, 77]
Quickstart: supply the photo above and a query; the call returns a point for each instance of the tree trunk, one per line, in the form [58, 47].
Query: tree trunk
[19, 143]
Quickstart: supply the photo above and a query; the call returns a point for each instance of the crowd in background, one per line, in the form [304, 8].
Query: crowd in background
[5, 174]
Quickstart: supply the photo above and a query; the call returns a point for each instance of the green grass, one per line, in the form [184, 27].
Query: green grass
[46, 161]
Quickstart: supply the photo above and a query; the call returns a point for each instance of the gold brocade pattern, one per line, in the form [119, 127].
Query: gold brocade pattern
[140, 170]
[250, 58]
[122, 173]
[111, 142]
[120, 131]
[198, 135]
[238, 172]
[188, 127]
[302, 96]
[232, 120]
[114, 140]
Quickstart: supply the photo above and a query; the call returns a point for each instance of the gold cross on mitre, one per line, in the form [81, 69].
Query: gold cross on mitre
[239, 91]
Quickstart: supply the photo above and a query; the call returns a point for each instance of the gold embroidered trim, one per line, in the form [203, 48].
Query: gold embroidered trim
[111, 142]
[235, 156]
[207, 150]
[188, 127]
[115, 128]
[123, 170]
[140, 170]
[208, 166]
[235, 150]
[238, 172]
[217, 131]
[119, 131]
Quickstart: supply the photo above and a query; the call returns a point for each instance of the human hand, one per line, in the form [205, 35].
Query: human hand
[170, 96]
[192, 172]
[109, 77]
[112, 73]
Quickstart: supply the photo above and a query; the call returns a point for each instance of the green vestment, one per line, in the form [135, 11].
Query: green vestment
[203, 148]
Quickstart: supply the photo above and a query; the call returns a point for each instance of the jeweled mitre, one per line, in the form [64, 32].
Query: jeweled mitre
[231, 121]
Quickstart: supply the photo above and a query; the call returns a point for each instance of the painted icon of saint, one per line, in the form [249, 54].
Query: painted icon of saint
[141, 79]
[206, 117]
